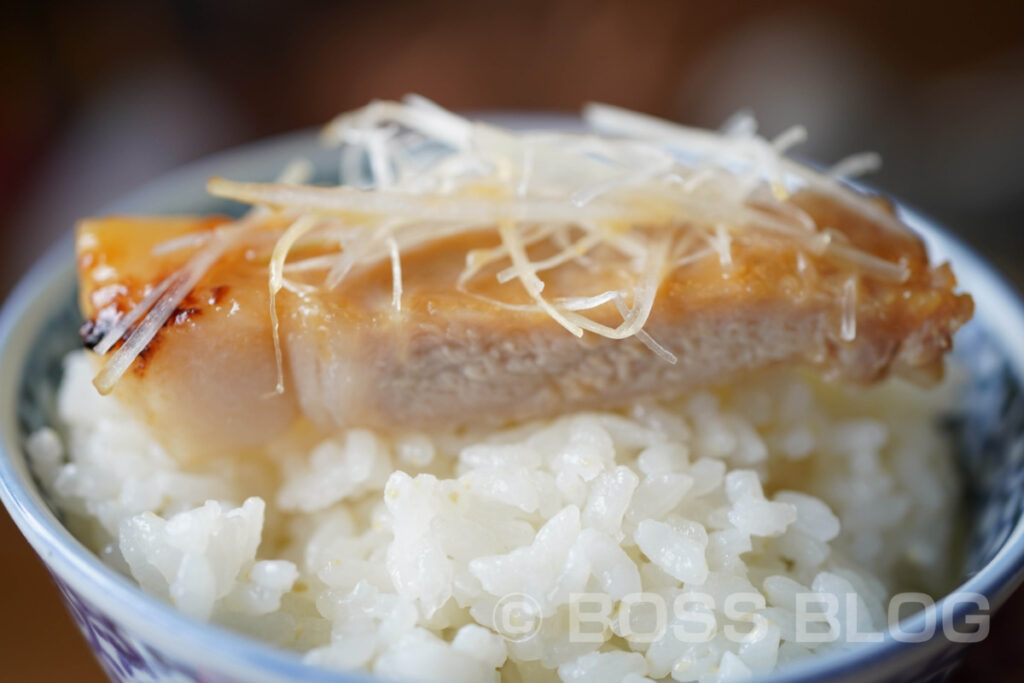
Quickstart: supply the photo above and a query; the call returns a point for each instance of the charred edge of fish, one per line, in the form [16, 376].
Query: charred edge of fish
[217, 294]
[92, 331]
[182, 315]
[139, 366]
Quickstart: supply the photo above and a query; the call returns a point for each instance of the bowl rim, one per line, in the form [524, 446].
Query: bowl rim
[997, 303]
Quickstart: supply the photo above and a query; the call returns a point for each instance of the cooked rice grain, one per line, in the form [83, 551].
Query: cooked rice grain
[390, 552]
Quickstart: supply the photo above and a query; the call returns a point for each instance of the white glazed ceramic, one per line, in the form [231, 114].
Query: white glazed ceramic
[138, 637]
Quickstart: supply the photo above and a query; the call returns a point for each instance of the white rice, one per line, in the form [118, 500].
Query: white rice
[395, 553]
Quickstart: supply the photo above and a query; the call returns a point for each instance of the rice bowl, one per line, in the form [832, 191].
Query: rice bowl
[736, 440]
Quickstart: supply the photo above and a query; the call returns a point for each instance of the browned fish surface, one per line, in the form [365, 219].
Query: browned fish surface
[451, 357]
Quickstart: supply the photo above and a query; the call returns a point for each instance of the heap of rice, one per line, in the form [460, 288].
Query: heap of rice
[395, 553]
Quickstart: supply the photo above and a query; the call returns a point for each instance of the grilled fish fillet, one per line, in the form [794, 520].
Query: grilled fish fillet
[452, 358]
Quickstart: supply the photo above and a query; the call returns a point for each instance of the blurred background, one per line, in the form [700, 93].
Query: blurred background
[97, 98]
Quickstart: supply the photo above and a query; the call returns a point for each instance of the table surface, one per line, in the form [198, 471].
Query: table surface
[43, 627]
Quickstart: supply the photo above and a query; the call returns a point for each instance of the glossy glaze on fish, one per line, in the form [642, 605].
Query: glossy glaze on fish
[452, 357]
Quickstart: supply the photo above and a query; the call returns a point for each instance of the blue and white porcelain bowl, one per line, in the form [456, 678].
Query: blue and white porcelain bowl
[138, 637]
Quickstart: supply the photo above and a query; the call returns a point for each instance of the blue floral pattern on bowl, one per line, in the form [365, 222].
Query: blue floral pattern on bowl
[123, 657]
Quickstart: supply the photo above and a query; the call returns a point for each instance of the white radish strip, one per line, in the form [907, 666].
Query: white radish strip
[794, 213]
[627, 245]
[693, 257]
[643, 301]
[346, 260]
[376, 144]
[615, 120]
[848, 326]
[531, 283]
[722, 244]
[125, 322]
[498, 303]
[312, 263]
[193, 239]
[700, 177]
[896, 273]
[177, 288]
[741, 123]
[636, 211]
[396, 275]
[347, 200]
[453, 126]
[298, 287]
[857, 165]
[646, 339]
[297, 229]
[646, 291]
[477, 259]
[789, 138]
[295, 172]
[360, 251]
[585, 303]
[588, 194]
[574, 250]
[573, 303]
[433, 123]
[193, 271]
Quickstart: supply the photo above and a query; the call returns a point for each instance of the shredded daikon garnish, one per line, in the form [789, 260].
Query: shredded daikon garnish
[159, 304]
[294, 232]
[857, 165]
[192, 239]
[848, 326]
[128, 320]
[181, 284]
[570, 252]
[645, 338]
[789, 138]
[722, 244]
[638, 194]
[730, 152]
[396, 274]
[533, 285]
